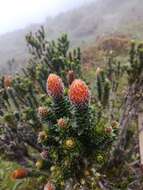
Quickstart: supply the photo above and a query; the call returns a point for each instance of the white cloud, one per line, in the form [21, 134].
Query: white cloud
[16, 14]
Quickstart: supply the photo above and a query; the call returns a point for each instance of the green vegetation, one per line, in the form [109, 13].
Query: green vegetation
[63, 133]
[68, 119]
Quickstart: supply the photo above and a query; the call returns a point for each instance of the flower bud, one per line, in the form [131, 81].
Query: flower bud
[42, 136]
[70, 143]
[108, 130]
[8, 81]
[39, 164]
[19, 173]
[62, 123]
[44, 154]
[70, 77]
[42, 112]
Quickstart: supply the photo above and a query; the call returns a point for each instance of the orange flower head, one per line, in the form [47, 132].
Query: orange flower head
[55, 86]
[8, 81]
[19, 173]
[79, 93]
[49, 186]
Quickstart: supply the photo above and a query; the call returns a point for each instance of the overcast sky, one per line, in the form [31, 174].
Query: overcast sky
[16, 14]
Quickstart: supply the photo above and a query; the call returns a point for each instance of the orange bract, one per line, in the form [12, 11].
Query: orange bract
[79, 92]
[55, 87]
[19, 173]
[8, 81]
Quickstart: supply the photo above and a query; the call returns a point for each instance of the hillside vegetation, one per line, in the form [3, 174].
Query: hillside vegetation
[63, 133]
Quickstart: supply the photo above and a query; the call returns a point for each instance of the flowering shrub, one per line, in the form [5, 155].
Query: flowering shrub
[60, 132]
[72, 146]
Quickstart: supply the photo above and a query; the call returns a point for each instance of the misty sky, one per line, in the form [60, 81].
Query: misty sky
[16, 14]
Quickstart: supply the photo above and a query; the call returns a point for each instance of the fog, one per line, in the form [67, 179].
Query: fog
[17, 14]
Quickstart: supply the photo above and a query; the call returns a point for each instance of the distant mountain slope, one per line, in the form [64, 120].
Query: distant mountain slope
[83, 25]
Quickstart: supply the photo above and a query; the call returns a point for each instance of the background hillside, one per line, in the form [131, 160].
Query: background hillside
[83, 25]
